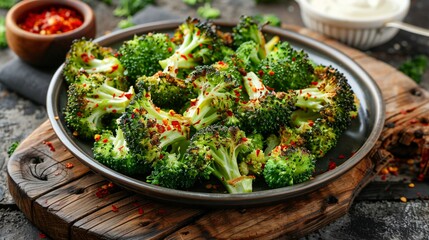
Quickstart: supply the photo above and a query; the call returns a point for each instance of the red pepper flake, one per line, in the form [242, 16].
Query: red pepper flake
[261, 73]
[115, 208]
[52, 20]
[69, 165]
[198, 33]
[176, 125]
[229, 113]
[79, 114]
[114, 111]
[105, 140]
[160, 128]
[341, 156]
[244, 139]
[314, 83]
[169, 49]
[403, 112]
[331, 165]
[190, 55]
[271, 73]
[184, 57]
[383, 177]
[141, 211]
[258, 151]
[42, 235]
[114, 68]
[293, 59]
[50, 145]
[310, 123]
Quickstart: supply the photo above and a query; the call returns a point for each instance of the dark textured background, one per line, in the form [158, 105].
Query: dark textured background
[380, 219]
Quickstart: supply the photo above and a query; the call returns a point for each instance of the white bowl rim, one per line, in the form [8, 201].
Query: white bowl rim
[378, 21]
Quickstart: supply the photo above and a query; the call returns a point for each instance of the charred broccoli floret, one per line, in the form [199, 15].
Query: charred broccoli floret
[167, 92]
[214, 152]
[88, 57]
[248, 29]
[219, 87]
[172, 171]
[286, 68]
[94, 103]
[150, 131]
[253, 161]
[325, 110]
[200, 45]
[288, 165]
[264, 115]
[140, 56]
[112, 151]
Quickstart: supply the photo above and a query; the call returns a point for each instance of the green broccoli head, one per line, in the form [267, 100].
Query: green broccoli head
[150, 131]
[286, 68]
[330, 98]
[112, 151]
[264, 115]
[200, 45]
[246, 57]
[93, 104]
[167, 92]
[88, 57]
[248, 29]
[140, 56]
[214, 152]
[288, 165]
[253, 161]
[219, 88]
[173, 172]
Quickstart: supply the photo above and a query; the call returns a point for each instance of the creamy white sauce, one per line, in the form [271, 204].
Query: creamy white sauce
[355, 9]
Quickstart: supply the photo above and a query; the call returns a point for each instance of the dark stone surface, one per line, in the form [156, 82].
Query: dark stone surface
[389, 219]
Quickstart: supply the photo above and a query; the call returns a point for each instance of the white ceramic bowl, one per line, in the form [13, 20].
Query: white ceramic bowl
[361, 32]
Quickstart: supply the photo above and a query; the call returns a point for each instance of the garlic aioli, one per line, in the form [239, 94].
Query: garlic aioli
[355, 9]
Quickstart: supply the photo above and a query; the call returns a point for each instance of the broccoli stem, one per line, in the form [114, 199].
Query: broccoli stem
[254, 86]
[110, 99]
[182, 58]
[226, 169]
[119, 144]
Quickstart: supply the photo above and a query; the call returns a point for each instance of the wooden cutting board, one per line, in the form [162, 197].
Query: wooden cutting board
[65, 200]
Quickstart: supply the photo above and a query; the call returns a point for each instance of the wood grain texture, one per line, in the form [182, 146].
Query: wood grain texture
[63, 202]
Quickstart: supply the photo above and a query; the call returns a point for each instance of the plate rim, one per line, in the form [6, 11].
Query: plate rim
[221, 199]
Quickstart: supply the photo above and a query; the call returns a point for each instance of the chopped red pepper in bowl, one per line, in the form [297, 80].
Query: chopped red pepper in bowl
[52, 20]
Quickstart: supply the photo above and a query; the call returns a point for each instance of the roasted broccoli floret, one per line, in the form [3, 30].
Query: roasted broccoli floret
[93, 103]
[246, 57]
[331, 97]
[173, 172]
[167, 92]
[248, 29]
[88, 57]
[264, 115]
[214, 152]
[150, 131]
[140, 56]
[219, 87]
[200, 45]
[112, 151]
[286, 68]
[253, 161]
[325, 110]
[288, 165]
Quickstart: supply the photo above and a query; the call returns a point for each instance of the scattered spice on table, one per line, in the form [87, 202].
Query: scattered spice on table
[52, 20]
[115, 208]
[50, 145]
[69, 165]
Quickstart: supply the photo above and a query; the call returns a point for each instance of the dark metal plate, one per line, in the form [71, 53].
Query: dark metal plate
[354, 144]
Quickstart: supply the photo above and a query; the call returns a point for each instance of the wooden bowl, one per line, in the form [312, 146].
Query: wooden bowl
[46, 50]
